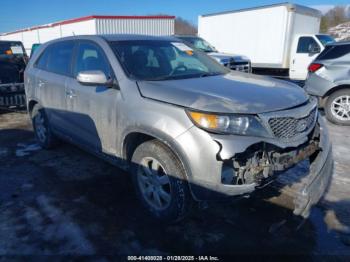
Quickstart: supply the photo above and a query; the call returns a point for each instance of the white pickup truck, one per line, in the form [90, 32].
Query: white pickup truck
[280, 40]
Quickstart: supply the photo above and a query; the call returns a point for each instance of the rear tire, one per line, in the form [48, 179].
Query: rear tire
[160, 181]
[42, 130]
[337, 107]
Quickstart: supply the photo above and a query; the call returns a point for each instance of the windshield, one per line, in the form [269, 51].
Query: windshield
[11, 48]
[325, 39]
[200, 44]
[164, 60]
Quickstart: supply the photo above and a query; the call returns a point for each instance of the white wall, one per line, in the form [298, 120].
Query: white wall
[156, 27]
[80, 28]
[94, 26]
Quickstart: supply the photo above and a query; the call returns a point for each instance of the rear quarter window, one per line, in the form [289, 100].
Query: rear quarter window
[334, 52]
[41, 63]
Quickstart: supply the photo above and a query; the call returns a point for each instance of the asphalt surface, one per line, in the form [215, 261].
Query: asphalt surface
[67, 202]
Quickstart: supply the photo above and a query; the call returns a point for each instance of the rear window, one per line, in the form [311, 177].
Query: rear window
[334, 52]
[325, 39]
[11, 48]
[57, 58]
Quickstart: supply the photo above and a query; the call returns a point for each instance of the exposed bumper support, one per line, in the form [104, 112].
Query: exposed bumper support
[212, 157]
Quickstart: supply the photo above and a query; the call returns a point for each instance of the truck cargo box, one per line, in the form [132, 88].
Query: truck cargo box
[264, 34]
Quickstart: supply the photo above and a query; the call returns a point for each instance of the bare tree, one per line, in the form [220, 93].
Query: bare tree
[334, 17]
[184, 27]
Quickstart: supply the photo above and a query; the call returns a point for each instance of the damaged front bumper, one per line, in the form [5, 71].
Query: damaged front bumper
[244, 164]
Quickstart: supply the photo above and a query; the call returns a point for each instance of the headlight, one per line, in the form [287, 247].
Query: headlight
[248, 125]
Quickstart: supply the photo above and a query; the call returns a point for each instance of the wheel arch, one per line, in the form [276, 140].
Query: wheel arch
[31, 105]
[336, 88]
[134, 138]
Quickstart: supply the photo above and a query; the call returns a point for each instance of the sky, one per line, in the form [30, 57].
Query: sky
[21, 14]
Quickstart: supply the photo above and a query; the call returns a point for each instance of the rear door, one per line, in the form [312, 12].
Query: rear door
[303, 53]
[92, 109]
[54, 69]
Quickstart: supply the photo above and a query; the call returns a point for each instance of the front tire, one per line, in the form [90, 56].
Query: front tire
[160, 181]
[42, 129]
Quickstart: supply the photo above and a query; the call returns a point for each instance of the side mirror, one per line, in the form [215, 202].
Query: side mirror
[314, 49]
[93, 78]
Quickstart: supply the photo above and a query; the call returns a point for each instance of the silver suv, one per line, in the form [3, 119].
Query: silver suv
[186, 127]
[329, 81]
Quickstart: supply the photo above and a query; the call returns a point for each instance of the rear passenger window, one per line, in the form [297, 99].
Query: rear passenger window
[334, 52]
[91, 58]
[41, 63]
[60, 57]
[306, 44]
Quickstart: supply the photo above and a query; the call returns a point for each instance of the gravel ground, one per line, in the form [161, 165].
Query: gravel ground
[67, 202]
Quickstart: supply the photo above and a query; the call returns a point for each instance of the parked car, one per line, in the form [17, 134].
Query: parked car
[186, 127]
[232, 61]
[329, 81]
[13, 60]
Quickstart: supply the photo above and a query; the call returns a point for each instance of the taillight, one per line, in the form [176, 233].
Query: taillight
[314, 67]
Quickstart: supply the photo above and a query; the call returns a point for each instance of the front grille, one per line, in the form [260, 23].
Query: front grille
[290, 127]
[12, 100]
[238, 66]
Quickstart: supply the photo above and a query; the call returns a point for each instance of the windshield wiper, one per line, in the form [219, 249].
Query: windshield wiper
[209, 74]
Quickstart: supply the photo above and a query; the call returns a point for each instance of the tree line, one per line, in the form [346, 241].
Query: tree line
[335, 16]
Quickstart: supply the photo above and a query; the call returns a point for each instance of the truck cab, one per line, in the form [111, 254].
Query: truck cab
[305, 49]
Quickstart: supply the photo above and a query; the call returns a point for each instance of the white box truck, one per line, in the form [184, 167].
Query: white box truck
[281, 40]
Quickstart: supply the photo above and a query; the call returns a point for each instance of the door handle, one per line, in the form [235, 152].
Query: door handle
[293, 61]
[70, 94]
[41, 83]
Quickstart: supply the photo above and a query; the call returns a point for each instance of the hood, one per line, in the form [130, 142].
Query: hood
[226, 57]
[231, 93]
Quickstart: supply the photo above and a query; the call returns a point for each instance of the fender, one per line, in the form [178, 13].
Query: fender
[164, 138]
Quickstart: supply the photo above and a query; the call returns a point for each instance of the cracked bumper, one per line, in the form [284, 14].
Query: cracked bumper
[316, 183]
[206, 153]
[315, 187]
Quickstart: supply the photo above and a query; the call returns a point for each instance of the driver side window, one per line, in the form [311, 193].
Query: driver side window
[306, 44]
[91, 58]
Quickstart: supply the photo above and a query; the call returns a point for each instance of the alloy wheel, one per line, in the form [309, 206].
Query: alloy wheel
[154, 183]
[40, 128]
[341, 108]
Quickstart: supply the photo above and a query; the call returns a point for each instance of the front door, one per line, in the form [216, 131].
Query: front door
[92, 109]
[303, 53]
